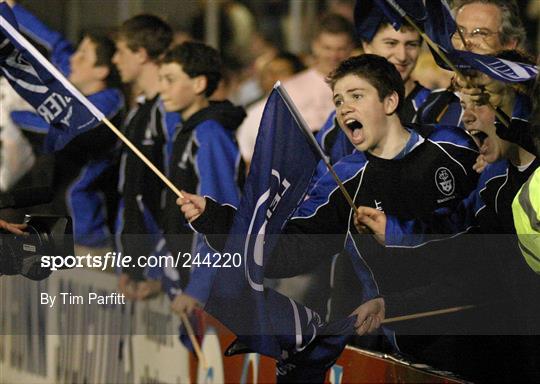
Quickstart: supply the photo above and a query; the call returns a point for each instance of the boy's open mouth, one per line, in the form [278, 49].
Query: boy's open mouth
[356, 130]
[353, 125]
[478, 136]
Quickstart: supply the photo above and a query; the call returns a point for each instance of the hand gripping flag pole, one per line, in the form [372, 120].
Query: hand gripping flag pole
[311, 140]
[83, 100]
[503, 118]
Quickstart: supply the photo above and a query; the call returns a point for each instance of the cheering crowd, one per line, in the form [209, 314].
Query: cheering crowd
[434, 182]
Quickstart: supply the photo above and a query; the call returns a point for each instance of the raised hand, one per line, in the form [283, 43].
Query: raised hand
[192, 206]
[184, 304]
[372, 219]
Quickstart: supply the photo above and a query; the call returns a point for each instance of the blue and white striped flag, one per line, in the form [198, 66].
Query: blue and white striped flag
[497, 68]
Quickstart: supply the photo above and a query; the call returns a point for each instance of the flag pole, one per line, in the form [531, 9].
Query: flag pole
[441, 54]
[311, 139]
[427, 314]
[84, 101]
[191, 334]
[141, 156]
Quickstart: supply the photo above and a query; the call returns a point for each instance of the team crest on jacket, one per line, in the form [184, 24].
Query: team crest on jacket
[445, 181]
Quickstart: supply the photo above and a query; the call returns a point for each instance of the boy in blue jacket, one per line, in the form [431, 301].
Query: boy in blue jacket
[205, 158]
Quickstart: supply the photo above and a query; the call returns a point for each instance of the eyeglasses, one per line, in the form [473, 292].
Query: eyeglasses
[476, 35]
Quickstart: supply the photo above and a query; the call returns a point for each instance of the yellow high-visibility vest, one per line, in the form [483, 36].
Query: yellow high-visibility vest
[526, 211]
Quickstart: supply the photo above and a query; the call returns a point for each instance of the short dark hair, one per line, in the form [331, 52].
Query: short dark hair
[511, 23]
[105, 50]
[376, 70]
[146, 31]
[197, 59]
[296, 64]
[335, 24]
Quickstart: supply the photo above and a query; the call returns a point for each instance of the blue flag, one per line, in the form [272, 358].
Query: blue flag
[370, 14]
[264, 320]
[42, 85]
[440, 26]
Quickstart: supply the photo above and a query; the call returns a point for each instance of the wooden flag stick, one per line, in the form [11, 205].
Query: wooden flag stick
[141, 156]
[196, 346]
[427, 314]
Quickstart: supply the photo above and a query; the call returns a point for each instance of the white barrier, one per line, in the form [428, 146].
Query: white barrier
[138, 343]
[131, 343]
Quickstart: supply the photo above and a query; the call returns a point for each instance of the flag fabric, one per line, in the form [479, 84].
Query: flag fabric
[42, 85]
[265, 321]
[370, 14]
[499, 69]
[440, 26]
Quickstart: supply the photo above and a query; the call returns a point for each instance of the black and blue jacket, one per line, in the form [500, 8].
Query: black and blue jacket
[205, 161]
[435, 173]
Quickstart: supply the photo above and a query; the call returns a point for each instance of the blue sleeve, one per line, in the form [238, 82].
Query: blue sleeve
[30, 121]
[59, 48]
[217, 163]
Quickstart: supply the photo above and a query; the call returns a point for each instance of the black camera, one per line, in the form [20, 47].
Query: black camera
[46, 235]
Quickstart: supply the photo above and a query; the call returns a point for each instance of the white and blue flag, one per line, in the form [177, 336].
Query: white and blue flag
[265, 321]
[42, 85]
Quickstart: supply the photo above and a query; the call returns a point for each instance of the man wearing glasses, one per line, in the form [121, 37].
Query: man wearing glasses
[487, 27]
